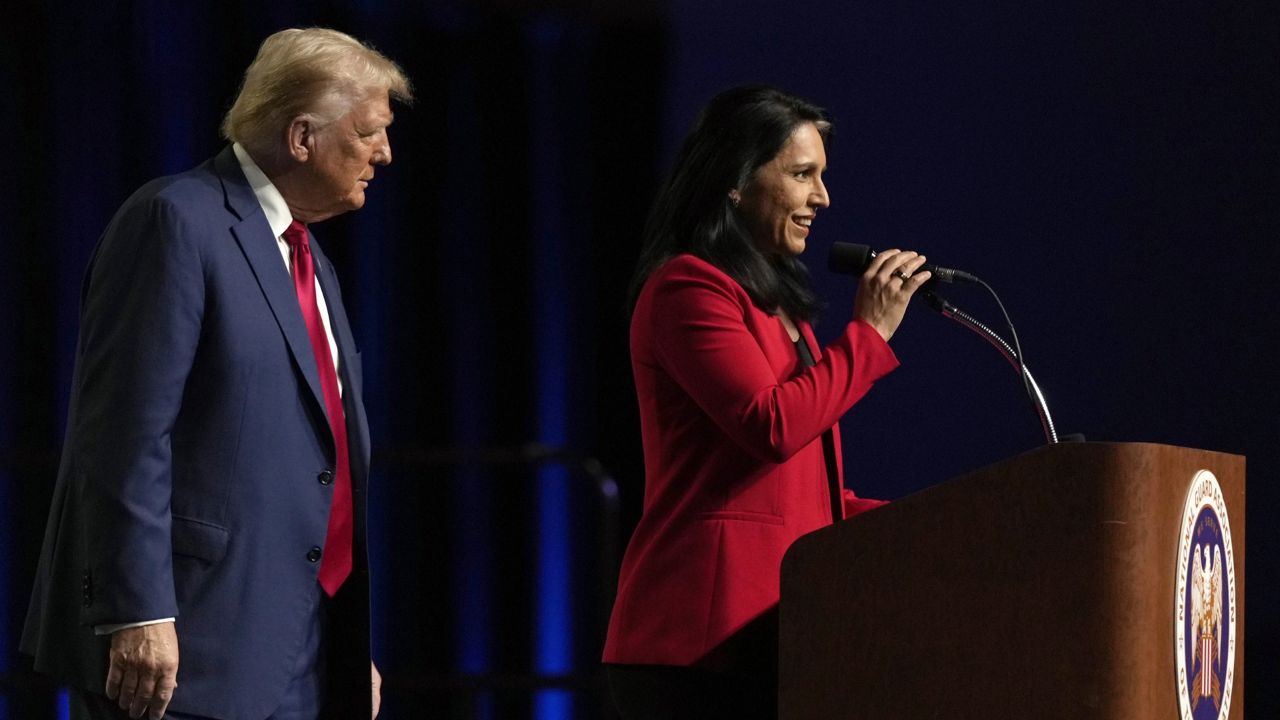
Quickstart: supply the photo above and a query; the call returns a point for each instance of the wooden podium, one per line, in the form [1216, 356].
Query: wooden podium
[1040, 587]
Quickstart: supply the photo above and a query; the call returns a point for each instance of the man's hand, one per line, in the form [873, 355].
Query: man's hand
[376, 677]
[144, 669]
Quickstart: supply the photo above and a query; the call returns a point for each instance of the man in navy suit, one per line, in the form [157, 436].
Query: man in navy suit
[211, 494]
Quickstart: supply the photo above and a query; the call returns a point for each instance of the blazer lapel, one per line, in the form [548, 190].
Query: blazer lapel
[259, 247]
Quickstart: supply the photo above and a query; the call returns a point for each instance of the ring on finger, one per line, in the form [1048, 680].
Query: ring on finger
[901, 275]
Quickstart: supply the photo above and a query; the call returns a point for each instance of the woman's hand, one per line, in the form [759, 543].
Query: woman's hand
[886, 288]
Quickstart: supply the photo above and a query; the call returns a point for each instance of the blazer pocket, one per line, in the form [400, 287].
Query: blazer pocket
[743, 515]
[198, 539]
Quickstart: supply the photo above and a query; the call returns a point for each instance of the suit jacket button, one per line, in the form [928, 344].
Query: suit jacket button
[314, 553]
[326, 477]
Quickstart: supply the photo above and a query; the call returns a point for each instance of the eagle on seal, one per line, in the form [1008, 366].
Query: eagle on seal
[1206, 624]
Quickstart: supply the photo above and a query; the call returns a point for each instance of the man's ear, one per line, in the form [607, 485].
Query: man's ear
[300, 138]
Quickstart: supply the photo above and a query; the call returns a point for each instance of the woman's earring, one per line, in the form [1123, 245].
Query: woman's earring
[734, 198]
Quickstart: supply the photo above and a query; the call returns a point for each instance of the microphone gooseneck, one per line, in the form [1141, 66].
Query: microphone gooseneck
[947, 310]
[853, 259]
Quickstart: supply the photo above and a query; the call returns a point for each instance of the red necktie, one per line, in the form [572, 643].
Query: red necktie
[335, 564]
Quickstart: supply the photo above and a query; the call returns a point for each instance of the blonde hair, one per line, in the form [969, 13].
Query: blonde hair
[312, 71]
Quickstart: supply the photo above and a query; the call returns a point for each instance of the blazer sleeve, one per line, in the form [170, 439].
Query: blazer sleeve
[700, 337]
[142, 308]
[854, 505]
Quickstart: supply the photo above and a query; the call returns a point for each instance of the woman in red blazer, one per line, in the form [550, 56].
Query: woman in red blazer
[738, 407]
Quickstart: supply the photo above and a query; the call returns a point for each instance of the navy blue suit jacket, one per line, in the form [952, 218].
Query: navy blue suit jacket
[189, 484]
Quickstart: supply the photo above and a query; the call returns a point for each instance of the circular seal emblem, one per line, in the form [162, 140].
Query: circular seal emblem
[1204, 622]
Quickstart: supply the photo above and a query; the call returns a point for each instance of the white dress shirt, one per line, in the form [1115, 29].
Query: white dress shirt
[279, 218]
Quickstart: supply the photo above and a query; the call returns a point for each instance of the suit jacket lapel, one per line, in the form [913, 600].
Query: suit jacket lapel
[357, 424]
[259, 247]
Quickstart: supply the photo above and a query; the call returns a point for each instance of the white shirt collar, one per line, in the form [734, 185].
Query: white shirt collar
[272, 202]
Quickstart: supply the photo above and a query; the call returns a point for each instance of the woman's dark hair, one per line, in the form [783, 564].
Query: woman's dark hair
[738, 131]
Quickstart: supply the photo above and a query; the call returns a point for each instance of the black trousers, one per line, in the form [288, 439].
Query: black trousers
[737, 680]
[304, 698]
[94, 706]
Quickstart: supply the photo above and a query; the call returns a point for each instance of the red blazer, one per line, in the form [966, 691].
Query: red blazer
[734, 470]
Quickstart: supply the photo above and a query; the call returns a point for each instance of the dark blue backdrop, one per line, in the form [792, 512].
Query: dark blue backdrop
[1112, 169]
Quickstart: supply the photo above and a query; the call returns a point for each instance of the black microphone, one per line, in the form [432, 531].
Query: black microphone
[853, 259]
